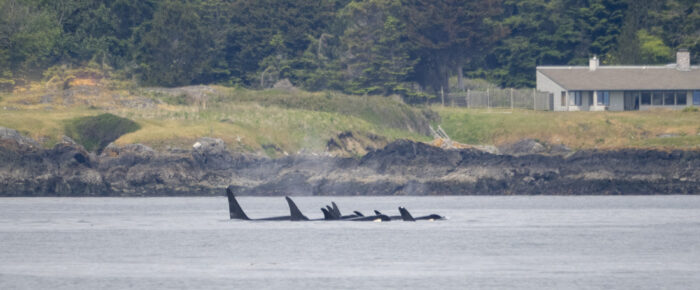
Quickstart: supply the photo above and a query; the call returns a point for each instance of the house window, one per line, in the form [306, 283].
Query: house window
[657, 99]
[603, 98]
[577, 98]
[646, 98]
[696, 98]
[669, 99]
[563, 98]
[590, 98]
[681, 98]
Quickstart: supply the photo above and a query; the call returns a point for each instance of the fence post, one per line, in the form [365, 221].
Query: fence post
[469, 103]
[442, 95]
[488, 98]
[511, 99]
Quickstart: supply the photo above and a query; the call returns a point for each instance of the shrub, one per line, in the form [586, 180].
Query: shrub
[96, 132]
[690, 109]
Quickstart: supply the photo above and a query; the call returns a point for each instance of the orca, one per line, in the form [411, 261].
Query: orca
[336, 210]
[359, 217]
[326, 215]
[409, 218]
[405, 215]
[330, 213]
[373, 218]
[393, 217]
[237, 213]
[294, 211]
[338, 215]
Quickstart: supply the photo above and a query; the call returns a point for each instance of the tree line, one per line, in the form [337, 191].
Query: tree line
[406, 47]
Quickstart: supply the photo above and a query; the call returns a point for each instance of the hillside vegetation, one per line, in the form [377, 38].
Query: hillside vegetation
[578, 130]
[288, 120]
[273, 121]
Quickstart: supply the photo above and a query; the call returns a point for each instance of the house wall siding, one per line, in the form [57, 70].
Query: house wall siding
[545, 84]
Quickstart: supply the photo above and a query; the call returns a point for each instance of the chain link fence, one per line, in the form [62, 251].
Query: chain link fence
[499, 98]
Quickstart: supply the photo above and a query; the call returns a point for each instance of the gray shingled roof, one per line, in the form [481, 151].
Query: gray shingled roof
[580, 78]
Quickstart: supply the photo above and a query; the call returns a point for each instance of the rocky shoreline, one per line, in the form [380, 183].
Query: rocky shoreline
[401, 168]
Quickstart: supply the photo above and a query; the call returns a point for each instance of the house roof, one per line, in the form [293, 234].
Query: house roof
[581, 78]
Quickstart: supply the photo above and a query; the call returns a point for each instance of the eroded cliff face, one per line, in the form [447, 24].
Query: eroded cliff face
[401, 168]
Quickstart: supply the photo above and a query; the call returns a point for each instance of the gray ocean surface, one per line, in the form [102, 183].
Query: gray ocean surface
[519, 242]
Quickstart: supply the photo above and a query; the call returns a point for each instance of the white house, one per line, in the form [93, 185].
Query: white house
[621, 88]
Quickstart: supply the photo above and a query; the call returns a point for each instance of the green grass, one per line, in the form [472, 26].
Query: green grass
[671, 142]
[250, 126]
[383, 111]
[47, 127]
[574, 129]
[249, 121]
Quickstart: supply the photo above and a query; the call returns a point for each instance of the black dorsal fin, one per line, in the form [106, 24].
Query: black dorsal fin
[405, 215]
[358, 213]
[234, 209]
[377, 212]
[294, 211]
[330, 212]
[326, 214]
[336, 210]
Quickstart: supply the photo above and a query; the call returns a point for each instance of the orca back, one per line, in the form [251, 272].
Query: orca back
[432, 217]
[234, 209]
[294, 211]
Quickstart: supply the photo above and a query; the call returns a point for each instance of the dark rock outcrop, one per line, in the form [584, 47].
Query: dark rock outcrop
[350, 144]
[531, 146]
[9, 135]
[401, 168]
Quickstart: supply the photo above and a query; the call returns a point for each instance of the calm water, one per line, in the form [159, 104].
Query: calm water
[488, 242]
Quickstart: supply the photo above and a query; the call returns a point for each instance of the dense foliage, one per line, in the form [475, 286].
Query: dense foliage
[407, 47]
[96, 132]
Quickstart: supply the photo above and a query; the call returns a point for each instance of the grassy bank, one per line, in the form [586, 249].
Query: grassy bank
[278, 121]
[579, 130]
[272, 121]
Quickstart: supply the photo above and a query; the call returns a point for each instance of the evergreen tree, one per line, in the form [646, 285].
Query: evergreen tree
[27, 39]
[540, 33]
[448, 33]
[256, 23]
[678, 24]
[601, 23]
[636, 18]
[173, 48]
[361, 46]
[376, 58]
